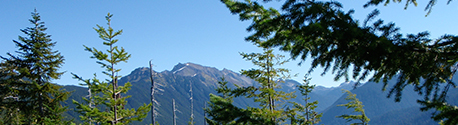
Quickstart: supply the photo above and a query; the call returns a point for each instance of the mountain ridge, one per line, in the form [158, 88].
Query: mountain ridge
[176, 84]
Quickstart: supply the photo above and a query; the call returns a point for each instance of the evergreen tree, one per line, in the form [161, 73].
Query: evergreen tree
[309, 116]
[221, 111]
[268, 77]
[429, 6]
[106, 95]
[358, 107]
[447, 115]
[28, 78]
[8, 114]
[324, 32]
[215, 109]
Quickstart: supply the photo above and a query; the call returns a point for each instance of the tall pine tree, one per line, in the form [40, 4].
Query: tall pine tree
[268, 76]
[269, 99]
[29, 76]
[106, 95]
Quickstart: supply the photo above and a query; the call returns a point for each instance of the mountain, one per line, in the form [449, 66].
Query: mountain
[327, 96]
[176, 85]
[382, 110]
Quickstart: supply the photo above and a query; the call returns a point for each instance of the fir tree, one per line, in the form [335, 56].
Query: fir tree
[29, 76]
[106, 95]
[215, 109]
[268, 76]
[357, 106]
[447, 113]
[221, 111]
[8, 114]
[309, 115]
[428, 7]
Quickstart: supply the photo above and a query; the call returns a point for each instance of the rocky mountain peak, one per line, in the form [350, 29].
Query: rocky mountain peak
[192, 69]
[178, 66]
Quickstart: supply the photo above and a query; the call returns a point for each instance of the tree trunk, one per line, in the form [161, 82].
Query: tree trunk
[174, 115]
[152, 92]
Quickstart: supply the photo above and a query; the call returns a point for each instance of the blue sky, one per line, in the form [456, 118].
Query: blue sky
[169, 32]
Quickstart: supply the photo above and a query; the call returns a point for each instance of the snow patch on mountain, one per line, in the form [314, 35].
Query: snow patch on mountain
[187, 64]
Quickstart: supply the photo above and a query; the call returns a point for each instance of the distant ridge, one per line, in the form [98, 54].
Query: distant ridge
[204, 80]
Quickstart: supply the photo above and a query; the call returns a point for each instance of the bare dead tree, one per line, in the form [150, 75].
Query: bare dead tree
[89, 95]
[205, 114]
[174, 114]
[155, 90]
[152, 92]
[191, 120]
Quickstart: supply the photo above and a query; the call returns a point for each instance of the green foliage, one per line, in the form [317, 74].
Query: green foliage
[221, 105]
[106, 105]
[268, 77]
[309, 116]
[28, 96]
[221, 111]
[357, 106]
[191, 121]
[448, 114]
[324, 32]
[429, 6]
[224, 89]
[9, 115]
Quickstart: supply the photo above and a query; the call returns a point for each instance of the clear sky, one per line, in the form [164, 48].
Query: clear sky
[169, 32]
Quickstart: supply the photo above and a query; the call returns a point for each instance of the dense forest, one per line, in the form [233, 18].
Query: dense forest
[415, 70]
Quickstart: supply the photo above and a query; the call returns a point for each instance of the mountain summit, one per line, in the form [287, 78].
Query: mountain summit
[211, 74]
